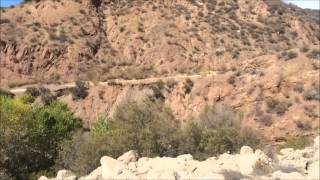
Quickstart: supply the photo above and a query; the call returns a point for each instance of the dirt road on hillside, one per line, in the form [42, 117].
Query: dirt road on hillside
[123, 82]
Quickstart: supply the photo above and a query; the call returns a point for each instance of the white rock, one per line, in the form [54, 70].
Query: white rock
[316, 142]
[285, 176]
[126, 174]
[206, 175]
[185, 157]
[43, 178]
[130, 156]
[94, 175]
[254, 164]
[292, 159]
[167, 175]
[246, 150]
[313, 170]
[110, 167]
[132, 166]
[65, 175]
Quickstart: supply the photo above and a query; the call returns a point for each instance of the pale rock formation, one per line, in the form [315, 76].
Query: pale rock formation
[111, 167]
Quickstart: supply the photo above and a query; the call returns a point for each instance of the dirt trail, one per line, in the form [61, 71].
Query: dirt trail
[55, 87]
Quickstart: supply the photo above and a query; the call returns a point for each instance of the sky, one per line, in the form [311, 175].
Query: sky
[310, 4]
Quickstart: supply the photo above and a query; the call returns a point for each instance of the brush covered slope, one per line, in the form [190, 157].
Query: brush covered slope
[52, 41]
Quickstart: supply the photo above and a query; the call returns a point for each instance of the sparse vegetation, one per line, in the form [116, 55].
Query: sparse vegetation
[278, 107]
[298, 142]
[288, 55]
[80, 91]
[303, 125]
[187, 86]
[157, 90]
[314, 54]
[312, 94]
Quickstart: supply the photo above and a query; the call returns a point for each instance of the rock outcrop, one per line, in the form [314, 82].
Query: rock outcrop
[248, 164]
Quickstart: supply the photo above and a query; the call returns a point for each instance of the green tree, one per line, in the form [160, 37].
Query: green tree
[30, 135]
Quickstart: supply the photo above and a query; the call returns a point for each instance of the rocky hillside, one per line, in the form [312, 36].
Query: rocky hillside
[62, 40]
[249, 164]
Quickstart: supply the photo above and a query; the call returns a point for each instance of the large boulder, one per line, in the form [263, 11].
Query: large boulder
[110, 167]
[254, 163]
[313, 170]
[95, 174]
[130, 156]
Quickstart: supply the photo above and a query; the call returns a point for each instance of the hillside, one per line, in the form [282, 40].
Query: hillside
[54, 41]
[260, 57]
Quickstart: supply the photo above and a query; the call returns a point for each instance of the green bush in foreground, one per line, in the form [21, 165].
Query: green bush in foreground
[30, 135]
[148, 127]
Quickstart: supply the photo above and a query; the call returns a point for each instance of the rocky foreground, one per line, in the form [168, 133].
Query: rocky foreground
[249, 164]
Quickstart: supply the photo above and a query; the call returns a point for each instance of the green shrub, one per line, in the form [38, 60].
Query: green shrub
[28, 99]
[80, 91]
[148, 127]
[217, 131]
[298, 142]
[30, 135]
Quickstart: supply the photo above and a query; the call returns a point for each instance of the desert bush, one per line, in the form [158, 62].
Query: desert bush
[30, 135]
[265, 119]
[304, 49]
[171, 84]
[288, 55]
[232, 79]
[278, 107]
[299, 87]
[298, 142]
[217, 131]
[157, 90]
[33, 91]
[47, 98]
[80, 91]
[312, 94]
[303, 125]
[187, 86]
[148, 127]
[36, 91]
[314, 54]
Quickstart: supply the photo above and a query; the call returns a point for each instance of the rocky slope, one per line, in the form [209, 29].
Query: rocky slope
[52, 41]
[249, 164]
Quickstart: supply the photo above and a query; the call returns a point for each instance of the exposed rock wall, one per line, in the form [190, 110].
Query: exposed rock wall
[248, 164]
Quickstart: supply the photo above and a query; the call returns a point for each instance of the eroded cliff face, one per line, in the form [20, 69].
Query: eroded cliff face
[249, 164]
[54, 41]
